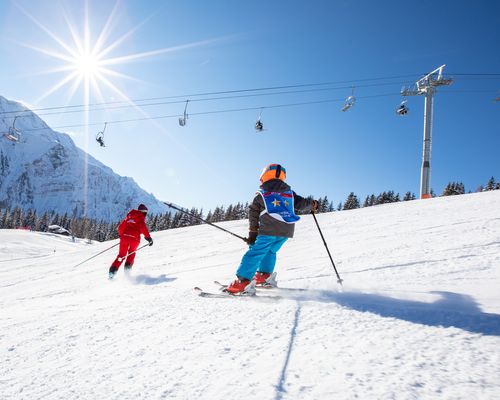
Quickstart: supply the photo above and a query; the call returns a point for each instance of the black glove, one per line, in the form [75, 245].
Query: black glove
[149, 240]
[252, 237]
[315, 206]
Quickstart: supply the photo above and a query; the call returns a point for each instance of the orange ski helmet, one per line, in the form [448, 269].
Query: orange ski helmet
[273, 171]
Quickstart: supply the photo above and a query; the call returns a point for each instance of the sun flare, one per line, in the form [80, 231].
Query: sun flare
[86, 58]
[87, 65]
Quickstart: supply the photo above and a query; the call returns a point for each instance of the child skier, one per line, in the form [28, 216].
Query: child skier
[130, 230]
[271, 219]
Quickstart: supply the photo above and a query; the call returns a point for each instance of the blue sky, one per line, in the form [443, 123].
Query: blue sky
[216, 159]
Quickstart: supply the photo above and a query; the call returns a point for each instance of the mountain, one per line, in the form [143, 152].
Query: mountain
[418, 316]
[43, 170]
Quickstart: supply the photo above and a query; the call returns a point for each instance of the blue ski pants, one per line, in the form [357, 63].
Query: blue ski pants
[261, 256]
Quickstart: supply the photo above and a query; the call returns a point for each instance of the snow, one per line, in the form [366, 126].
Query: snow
[418, 316]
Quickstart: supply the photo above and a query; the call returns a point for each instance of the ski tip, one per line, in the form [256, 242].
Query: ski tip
[221, 285]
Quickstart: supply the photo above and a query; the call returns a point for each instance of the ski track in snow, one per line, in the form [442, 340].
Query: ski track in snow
[418, 316]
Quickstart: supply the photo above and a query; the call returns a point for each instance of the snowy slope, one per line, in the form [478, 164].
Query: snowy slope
[419, 317]
[45, 171]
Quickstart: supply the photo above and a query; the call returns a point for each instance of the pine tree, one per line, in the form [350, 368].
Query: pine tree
[175, 220]
[199, 215]
[324, 205]
[6, 219]
[17, 217]
[351, 202]
[218, 214]
[409, 196]
[185, 220]
[448, 190]
[453, 189]
[490, 185]
[43, 223]
[229, 214]
[153, 224]
[366, 203]
[30, 219]
[64, 221]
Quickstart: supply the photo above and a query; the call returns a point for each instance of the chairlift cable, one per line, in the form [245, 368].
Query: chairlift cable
[205, 99]
[90, 106]
[285, 105]
[215, 93]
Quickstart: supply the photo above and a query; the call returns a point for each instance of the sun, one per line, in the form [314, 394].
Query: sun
[87, 65]
[86, 56]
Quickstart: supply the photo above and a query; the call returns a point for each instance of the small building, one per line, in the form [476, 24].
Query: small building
[59, 230]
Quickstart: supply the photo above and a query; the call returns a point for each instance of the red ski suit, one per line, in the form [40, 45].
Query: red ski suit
[130, 230]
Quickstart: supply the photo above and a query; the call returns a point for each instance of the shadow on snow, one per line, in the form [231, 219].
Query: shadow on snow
[280, 387]
[451, 310]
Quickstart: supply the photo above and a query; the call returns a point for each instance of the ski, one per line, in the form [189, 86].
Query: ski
[223, 286]
[226, 295]
[220, 295]
[266, 287]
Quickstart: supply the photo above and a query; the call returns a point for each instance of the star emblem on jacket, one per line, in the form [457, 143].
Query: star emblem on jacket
[276, 203]
[286, 203]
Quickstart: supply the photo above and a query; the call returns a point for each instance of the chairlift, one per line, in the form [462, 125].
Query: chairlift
[403, 108]
[14, 134]
[259, 126]
[349, 102]
[183, 120]
[100, 136]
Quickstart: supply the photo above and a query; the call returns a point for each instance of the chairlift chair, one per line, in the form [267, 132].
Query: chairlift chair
[259, 126]
[14, 134]
[402, 109]
[183, 119]
[349, 102]
[100, 136]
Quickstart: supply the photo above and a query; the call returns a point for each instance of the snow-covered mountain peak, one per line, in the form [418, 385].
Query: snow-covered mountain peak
[43, 170]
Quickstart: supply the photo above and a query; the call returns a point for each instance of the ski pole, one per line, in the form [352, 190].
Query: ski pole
[326, 246]
[120, 259]
[203, 220]
[98, 254]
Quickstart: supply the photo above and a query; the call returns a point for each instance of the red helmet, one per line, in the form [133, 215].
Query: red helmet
[273, 171]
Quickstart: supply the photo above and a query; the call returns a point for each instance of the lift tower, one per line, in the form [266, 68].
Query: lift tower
[426, 86]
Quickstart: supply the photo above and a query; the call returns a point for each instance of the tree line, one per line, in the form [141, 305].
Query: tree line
[103, 230]
[451, 189]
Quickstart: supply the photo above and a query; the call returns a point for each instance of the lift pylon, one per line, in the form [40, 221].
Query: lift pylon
[426, 86]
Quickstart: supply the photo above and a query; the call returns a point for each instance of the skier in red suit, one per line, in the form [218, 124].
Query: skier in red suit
[130, 230]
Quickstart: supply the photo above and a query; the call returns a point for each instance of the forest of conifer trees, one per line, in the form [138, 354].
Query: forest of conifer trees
[102, 230]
